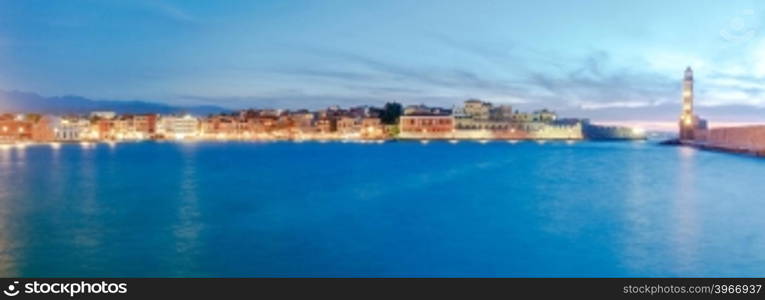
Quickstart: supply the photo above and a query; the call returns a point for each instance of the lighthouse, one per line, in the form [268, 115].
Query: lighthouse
[689, 122]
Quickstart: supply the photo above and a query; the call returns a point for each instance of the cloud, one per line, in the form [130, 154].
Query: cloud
[439, 77]
[287, 100]
[327, 74]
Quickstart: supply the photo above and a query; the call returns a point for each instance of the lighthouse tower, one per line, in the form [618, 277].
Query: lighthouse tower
[688, 121]
[691, 126]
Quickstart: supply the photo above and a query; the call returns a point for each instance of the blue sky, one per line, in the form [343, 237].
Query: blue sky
[609, 60]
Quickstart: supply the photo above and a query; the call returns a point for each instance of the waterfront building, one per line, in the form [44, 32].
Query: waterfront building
[425, 110]
[544, 116]
[416, 109]
[145, 126]
[123, 128]
[104, 128]
[372, 128]
[108, 115]
[689, 122]
[300, 124]
[44, 128]
[15, 128]
[477, 109]
[348, 126]
[179, 127]
[501, 113]
[262, 126]
[222, 127]
[522, 117]
[426, 126]
[324, 125]
[73, 128]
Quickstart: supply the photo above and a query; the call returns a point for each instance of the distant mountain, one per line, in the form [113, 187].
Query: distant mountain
[24, 102]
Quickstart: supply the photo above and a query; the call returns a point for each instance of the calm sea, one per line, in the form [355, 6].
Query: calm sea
[394, 209]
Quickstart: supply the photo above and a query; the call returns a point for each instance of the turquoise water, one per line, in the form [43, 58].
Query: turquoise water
[393, 209]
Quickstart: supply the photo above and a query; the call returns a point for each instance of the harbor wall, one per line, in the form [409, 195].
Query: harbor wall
[747, 138]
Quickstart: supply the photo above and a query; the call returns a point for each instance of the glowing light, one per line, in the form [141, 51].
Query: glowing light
[570, 142]
[55, 146]
[85, 144]
[454, 141]
[638, 131]
[541, 142]
[424, 142]
[513, 141]
[5, 128]
[483, 141]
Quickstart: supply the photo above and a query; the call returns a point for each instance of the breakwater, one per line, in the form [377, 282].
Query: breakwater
[746, 139]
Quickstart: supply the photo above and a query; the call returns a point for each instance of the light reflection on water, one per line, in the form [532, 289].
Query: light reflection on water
[685, 210]
[398, 209]
[188, 226]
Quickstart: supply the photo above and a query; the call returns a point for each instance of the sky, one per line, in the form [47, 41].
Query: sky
[607, 60]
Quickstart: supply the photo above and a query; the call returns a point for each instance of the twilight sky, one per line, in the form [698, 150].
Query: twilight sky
[609, 60]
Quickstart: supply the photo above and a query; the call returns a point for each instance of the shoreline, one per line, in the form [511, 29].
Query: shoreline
[86, 143]
[13, 143]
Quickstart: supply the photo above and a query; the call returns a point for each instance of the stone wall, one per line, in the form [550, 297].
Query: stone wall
[748, 138]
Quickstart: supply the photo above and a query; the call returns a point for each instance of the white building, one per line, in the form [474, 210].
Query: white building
[108, 115]
[179, 128]
[72, 129]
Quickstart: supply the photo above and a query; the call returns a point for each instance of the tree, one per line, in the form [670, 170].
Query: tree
[391, 112]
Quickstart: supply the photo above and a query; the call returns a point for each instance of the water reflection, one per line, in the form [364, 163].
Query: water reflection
[640, 231]
[685, 234]
[8, 239]
[188, 227]
[88, 232]
[19, 153]
[5, 155]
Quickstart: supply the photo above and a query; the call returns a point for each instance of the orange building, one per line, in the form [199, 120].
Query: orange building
[145, 125]
[426, 126]
[372, 128]
[15, 128]
[44, 129]
[223, 127]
